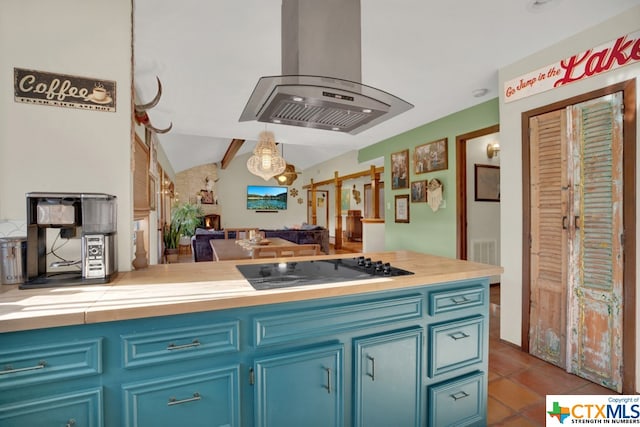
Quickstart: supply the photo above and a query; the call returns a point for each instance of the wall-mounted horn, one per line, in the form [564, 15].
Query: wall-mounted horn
[141, 115]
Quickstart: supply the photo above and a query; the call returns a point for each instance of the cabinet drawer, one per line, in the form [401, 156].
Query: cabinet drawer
[458, 299]
[83, 408]
[39, 364]
[170, 345]
[459, 402]
[206, 398]
[302, 324]
[454, 345]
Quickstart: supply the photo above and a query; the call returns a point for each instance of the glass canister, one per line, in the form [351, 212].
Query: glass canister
[13, 260]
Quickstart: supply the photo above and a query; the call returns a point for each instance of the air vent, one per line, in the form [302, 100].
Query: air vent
[322, 114]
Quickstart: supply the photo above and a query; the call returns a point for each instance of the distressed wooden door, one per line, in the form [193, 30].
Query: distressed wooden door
[549, 236]
[596, 267]
[576, 239]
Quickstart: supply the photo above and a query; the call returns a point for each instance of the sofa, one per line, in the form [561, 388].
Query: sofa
[305, 234]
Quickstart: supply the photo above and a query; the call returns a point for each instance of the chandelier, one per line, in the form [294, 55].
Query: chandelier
[266, 162]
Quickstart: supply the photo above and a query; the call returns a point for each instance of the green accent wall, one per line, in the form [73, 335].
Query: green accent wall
[428, 231]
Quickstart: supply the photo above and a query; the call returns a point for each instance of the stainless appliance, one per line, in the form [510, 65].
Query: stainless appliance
[13, 257]
[71, 239]
[300, 273]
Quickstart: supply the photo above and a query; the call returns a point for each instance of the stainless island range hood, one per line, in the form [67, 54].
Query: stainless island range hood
[321, 64]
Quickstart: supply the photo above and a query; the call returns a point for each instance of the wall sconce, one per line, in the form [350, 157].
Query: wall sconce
[493, 150]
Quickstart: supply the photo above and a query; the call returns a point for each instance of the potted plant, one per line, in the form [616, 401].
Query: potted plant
[185, 219]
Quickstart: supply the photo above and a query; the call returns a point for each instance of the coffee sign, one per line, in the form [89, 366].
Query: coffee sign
[617, 53]
[61, 90]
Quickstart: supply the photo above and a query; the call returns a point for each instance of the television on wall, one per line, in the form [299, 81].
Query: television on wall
[266, 198]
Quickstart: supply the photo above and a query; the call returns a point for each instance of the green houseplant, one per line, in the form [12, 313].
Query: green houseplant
[185, 218]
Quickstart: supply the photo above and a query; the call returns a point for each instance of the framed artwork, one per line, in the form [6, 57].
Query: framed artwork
[345, 200]
[487, 183]
[418, 191]
[430, 157]
[400, 170]
[152, 193]
[402, 208]
[207, 197]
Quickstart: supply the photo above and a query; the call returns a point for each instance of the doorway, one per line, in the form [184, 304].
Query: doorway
[579, 227]
[322, 208]
[462, 214]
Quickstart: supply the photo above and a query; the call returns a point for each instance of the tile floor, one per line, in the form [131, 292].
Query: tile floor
[518, 382]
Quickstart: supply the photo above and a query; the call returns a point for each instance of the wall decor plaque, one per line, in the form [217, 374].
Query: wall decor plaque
[62, 90]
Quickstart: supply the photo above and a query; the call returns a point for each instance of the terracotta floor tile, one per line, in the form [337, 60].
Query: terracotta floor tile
[503, 363]
[592, 388]
[519, 421]
[545, 380]
[513, 395]
[496, 411]
[537, 413]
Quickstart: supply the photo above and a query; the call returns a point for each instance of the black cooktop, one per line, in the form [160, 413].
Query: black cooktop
[299, 273]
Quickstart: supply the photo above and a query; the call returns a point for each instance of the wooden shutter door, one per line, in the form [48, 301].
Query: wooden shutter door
[596, 267]
[549, 237]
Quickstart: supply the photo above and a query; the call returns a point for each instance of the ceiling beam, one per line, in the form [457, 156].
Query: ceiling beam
[232, 149]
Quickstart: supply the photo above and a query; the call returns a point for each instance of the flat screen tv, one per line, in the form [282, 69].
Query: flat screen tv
[266, 198]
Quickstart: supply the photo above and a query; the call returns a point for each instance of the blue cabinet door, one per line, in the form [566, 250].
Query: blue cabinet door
[387, 375]
[81, 408]
[209, 398]
[300, 388]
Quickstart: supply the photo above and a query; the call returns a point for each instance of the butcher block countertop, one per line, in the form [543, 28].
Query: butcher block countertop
[168, 289]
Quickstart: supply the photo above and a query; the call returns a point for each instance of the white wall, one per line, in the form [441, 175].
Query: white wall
[45, 148]
[511, 142]
[232, 198]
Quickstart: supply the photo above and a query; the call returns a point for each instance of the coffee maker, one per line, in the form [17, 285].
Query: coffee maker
[71, 239]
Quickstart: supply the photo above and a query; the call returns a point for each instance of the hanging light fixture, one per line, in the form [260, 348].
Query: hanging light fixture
[266, 162]
[288, 175]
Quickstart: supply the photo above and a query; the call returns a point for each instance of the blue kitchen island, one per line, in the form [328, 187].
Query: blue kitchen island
[196, 344]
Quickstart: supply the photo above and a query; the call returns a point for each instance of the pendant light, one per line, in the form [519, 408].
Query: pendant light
[266, 162]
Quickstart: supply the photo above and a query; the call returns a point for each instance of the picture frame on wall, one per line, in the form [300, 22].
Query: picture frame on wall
[402, 208]
[418, 191]
[487, 183]
[432, 156]
[400, 170]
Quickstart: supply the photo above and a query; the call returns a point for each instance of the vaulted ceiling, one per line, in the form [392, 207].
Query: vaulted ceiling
[209, 55]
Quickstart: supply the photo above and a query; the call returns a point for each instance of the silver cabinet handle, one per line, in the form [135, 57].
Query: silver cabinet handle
[9, 370]
[460, 299]
[70, 423]
[373, 368]
[459, 395]
[328, 386]
[194, 343]
[459, 335]
[173, 401]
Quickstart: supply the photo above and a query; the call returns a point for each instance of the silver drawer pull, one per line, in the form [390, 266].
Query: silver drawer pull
[459, 395]
[9, 370]
[328, 386]
[373, 368]
[194, 343]
[70, 423]
[459, 335]
[460, 299]
[173, 401]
